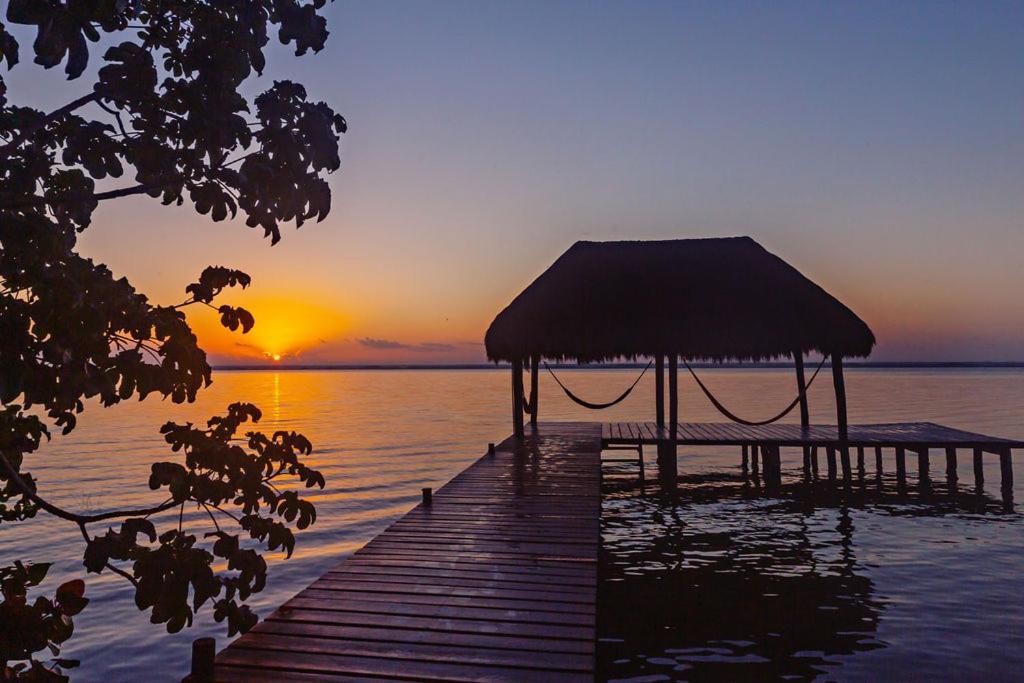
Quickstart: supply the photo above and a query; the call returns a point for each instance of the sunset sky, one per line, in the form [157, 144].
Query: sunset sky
[878, 147]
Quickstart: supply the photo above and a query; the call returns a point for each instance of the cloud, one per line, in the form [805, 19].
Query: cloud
[422, 347]
[387, 344]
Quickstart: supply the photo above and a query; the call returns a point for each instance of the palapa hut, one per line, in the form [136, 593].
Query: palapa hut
[692, 299]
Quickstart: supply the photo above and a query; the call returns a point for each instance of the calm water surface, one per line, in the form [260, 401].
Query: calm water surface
[716, 582]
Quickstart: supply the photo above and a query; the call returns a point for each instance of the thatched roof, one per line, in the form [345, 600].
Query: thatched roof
[708, 299]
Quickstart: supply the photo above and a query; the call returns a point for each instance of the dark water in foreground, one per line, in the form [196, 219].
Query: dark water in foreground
[718, 582]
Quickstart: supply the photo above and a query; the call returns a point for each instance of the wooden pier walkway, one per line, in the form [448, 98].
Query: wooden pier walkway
[910, 435]
[494, 580]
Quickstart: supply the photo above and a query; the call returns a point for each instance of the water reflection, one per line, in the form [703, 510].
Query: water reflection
[720, 581]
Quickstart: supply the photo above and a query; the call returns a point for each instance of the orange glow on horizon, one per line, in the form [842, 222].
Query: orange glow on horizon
[285, 328]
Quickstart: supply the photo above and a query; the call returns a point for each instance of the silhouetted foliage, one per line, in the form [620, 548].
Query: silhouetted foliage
[165, 109]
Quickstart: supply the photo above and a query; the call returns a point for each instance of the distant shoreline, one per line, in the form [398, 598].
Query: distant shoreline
[607, 366]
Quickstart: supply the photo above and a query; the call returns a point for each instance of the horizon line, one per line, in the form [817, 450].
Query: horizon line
[735, 365]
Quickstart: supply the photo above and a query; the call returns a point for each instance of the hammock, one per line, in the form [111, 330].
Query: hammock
[750, 423]
[598, 406]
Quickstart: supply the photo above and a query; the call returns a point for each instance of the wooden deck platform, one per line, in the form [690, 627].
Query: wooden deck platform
[909, 435]
[494, 580]
[900, 437]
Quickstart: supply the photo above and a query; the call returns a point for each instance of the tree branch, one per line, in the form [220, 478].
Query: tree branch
[125, 192]
[71, 516]
[29, 131]
[37, 200]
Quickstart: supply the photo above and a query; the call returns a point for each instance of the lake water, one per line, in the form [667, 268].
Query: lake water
[716, 582]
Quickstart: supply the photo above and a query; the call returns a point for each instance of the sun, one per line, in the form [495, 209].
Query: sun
[285, 328]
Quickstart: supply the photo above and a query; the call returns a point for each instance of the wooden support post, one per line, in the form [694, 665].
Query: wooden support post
[860, 461]
[924, 470]
[830, 455]
[517, 399]
[801, 387]
[901, 467]
[659, 389]
[204, 651]
[669, 464]
[490, 449]
[1006, 472]
[753, 461]
[979, 471]
[814, 461]
[951, 473]
[744, 461]
[844, 457]
[878, 467]
[805, 418]
[534, 375]
[839, 383]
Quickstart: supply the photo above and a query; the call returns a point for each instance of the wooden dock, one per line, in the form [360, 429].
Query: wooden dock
[910, 435]
[918, 438]
[495, 579]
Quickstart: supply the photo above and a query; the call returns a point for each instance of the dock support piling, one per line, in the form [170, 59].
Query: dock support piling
[753, 462]
[878, 468]
[979, 472]
[743, 463]
[901, 468]
[842, 427]
[924, 475]
[844, 457]
[801, 388]
[805, 420]
[517, 399]
[951, 473]
[860, 462]
[830, 456]
[668, 463]
[204, 651]
[534, 376]
[659, 390]
[814, 461]
[1006, 472]
[490, 449]
[839, 383]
